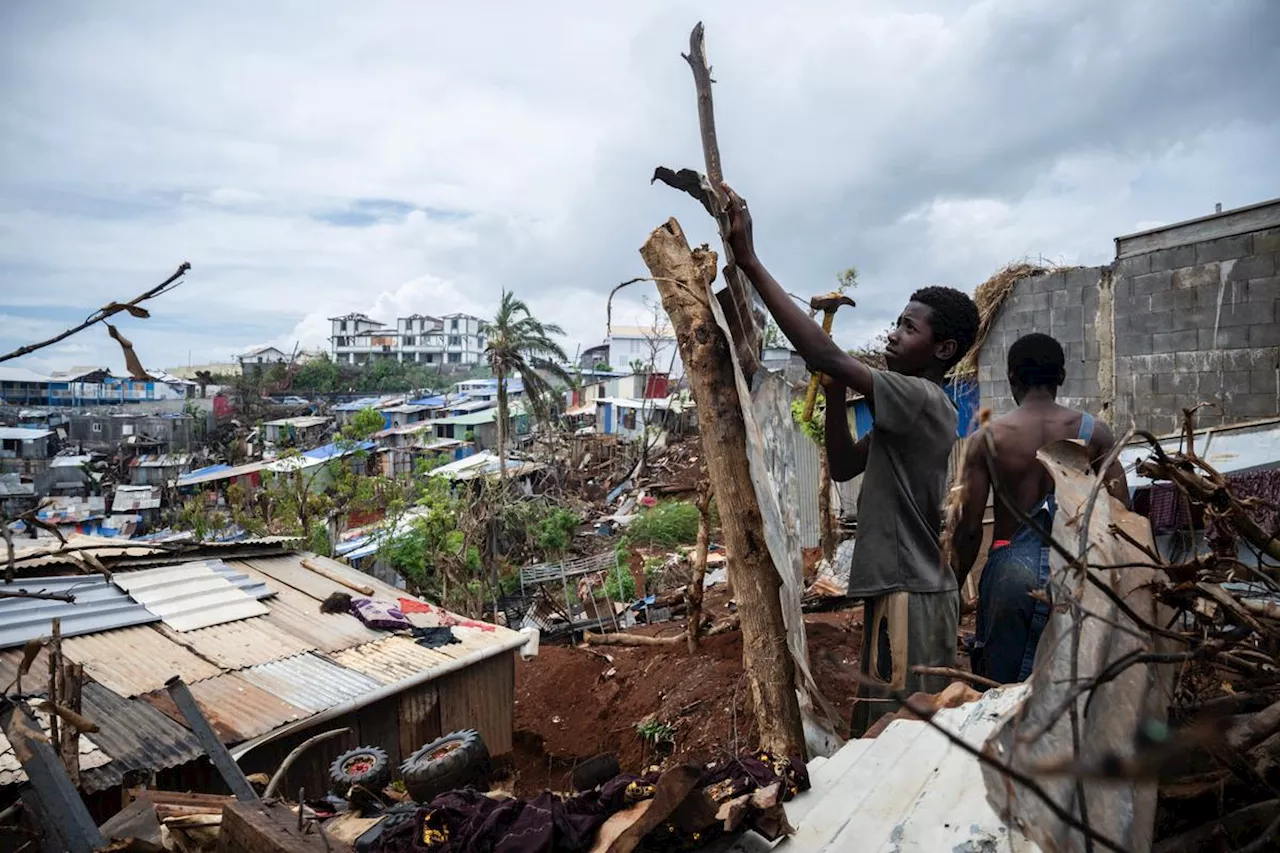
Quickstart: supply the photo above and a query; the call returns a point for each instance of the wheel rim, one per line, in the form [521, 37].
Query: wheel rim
[358, 765]
[441, 751]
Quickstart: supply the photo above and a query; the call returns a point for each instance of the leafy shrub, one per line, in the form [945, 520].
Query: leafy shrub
[666, 525]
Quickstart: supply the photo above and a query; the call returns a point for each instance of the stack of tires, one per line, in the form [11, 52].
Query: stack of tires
[451, 762]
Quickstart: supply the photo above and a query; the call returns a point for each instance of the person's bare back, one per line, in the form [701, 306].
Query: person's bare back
[1018, 437]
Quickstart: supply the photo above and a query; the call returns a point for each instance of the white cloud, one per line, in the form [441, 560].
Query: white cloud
[311, 159]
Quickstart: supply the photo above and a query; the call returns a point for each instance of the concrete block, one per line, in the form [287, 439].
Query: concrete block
[1264, 381]
[1043, 284]
[1142, 384]
[1092, 387]
[1232, 292]
[1073, 350]
[1187, 300]
[1130, 305]
[1197, 361]
[1233, 314]
[1254, 405]
[1203, 275]
[1265, 334]
[1092, 350]
[1254, 266]
[1171, 259]
[1229, 337]
[1133, 344]
[1042, 321]
[1073, 387]
[1225, 382]
[1246, 359]
[1150, 322]
[1039, 301]
[1136, 265]
[1264, 289]
[1224, 249]
[1160, 362]
[1174, 341]
[1266, 241]
[1200, 317]
[1090, 300]
[1152, 282]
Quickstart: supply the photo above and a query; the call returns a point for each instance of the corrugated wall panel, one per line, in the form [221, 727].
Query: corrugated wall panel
[482, 697]
[807, 473]
[419, 717]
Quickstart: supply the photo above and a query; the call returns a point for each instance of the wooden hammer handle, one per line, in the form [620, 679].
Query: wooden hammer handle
[811, 393]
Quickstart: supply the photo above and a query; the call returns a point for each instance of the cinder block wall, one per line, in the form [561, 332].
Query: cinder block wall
[1164, 327]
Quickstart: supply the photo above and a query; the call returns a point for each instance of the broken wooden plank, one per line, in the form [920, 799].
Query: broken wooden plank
[1109, 720]
[257, 828]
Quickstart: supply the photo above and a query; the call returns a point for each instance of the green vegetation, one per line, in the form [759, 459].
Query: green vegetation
[666, 525]
[655, 732]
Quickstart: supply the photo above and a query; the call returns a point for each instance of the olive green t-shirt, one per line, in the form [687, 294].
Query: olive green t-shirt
[903, 489]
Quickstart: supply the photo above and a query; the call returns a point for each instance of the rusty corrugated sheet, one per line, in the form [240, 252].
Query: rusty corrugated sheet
[299, 614]
[481, 697]
[391, 659]
[135, 735]
[290, 570]
[310, 681]
[132, 661]
[236, 709]
[419, 714]
[236, 645]
[807, 474]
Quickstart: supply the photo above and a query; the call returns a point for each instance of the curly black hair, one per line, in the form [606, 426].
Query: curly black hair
[1037, 361]
[955, 317]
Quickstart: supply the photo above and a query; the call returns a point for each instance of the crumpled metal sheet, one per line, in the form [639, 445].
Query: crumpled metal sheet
[1122, 811]
[771, 454]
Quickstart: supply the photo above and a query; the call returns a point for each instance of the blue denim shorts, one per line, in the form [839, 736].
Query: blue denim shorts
[1010, 620]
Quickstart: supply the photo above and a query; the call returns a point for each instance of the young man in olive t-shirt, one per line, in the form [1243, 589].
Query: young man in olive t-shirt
[912, 607]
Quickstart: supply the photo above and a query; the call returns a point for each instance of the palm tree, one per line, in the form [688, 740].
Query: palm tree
[520, 345]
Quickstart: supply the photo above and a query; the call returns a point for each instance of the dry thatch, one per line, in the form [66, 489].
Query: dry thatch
[990, 295]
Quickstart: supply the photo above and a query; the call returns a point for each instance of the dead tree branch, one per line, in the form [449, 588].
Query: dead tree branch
[132, 307]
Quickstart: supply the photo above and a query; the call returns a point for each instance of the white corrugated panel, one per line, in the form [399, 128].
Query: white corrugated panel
[806, 491]
[310, 681]
[910, 790]
[189, 596]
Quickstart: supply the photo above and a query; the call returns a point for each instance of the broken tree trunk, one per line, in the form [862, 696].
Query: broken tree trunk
[69, 736]
[684, 279]
[694, 615]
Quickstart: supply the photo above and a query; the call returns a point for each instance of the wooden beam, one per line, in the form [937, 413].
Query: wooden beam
[255, 828]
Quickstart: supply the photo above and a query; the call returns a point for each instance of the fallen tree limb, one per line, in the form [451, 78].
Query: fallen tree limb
[709, 369]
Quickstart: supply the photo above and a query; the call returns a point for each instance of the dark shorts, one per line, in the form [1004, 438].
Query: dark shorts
[902, 630]
[1010, 619]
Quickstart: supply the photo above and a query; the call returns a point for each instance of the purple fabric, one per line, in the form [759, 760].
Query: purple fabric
[1260, 490]
[383, 615]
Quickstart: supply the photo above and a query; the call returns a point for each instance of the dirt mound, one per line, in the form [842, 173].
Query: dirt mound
[574, 703]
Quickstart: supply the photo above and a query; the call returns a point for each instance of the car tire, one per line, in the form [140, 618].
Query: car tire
[452, 762]
[594, 772]
[366, 766]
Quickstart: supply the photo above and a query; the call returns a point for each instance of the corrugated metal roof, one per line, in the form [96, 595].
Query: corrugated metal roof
[1230, 450]
[132, 661]
[290, 570]
[310, 681]
[135, 735]
[23, 434]
[134, 498]
[189, 596]
[11, 772]
[391, 659]
[236, 709]
[299, 614]
[98, 606]
[245, 642]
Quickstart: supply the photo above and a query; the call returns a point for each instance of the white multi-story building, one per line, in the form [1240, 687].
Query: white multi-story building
[417, 339]
[633, 347]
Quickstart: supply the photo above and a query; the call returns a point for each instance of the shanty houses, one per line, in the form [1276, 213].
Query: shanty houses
[241, 625]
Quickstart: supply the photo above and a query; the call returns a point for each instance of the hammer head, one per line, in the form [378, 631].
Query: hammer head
[830, 302]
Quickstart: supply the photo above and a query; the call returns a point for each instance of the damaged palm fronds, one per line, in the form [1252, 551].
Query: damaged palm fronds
[1154, 711]
[990, 297]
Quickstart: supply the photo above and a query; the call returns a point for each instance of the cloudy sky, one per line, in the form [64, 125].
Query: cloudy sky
[314, 158]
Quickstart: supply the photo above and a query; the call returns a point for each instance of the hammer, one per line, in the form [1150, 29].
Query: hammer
[827, 305]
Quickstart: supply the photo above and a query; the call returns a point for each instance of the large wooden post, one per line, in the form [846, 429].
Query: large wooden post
[684, 277]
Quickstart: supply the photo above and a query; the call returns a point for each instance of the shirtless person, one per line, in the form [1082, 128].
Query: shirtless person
[1010, 620]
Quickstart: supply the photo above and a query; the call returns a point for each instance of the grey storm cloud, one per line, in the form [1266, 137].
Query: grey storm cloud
[315, 158]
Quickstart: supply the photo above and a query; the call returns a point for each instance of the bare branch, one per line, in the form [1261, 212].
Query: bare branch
[108, 310]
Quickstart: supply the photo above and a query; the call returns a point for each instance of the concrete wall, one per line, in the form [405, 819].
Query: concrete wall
[103, 433]
[1185, 315]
